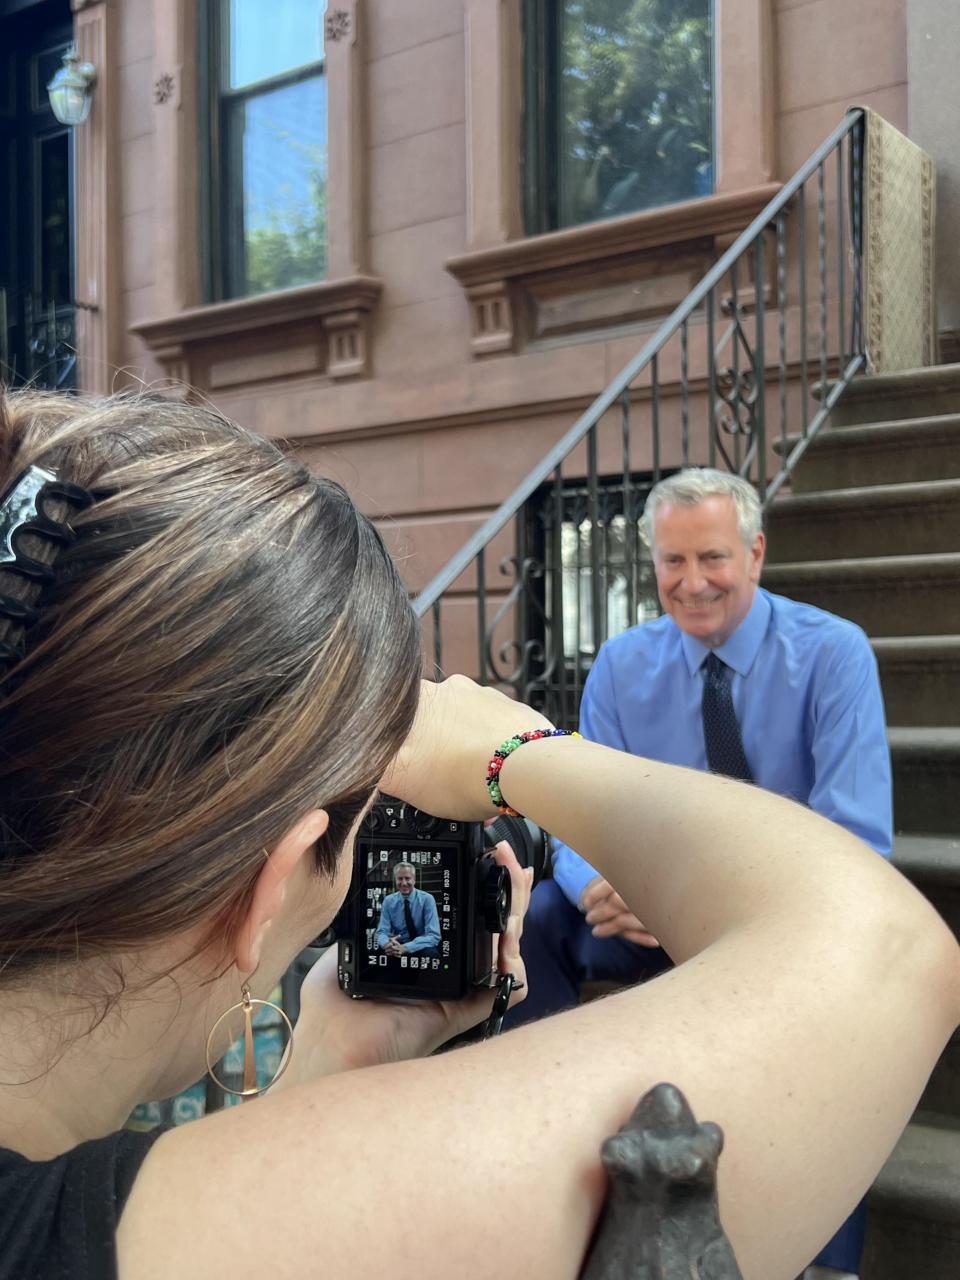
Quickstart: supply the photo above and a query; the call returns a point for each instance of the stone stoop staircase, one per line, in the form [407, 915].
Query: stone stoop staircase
[871, 531]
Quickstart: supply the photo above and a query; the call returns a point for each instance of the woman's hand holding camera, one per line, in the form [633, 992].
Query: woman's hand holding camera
[334, 1034]
[459, 725]
[440, 769]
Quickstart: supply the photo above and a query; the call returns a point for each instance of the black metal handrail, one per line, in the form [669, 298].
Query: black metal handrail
[736, 380]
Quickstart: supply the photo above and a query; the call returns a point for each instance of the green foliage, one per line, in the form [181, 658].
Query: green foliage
[291, 247]
[636, 105]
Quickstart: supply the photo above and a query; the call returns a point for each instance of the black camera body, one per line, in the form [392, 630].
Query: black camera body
[426, 903]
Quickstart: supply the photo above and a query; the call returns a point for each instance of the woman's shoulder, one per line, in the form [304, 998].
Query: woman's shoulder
[59, 1216]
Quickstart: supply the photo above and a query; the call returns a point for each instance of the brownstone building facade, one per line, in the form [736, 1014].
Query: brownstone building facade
[447, 338]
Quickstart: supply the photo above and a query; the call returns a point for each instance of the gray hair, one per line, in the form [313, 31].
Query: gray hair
[404, 866]
[692, 486]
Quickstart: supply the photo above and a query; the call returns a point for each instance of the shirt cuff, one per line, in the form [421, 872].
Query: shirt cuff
[572, 874]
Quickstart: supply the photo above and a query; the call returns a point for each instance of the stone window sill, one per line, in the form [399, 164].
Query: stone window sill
[314, 329]
[525, 278]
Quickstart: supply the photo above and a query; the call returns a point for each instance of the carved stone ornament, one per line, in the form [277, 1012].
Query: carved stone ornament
[338, 24]
[661, 1220]
[163, 88]
[347, 343]
[491, 306]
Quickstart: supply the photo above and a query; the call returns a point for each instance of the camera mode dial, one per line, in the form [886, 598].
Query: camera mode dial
[495, 898]
[417, 820]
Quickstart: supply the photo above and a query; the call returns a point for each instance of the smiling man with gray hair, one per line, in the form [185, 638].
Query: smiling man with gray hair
[409, 921]
[732, 679]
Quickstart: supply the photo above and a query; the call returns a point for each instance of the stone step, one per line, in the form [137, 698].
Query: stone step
[911, 393]
[886, 595]
[942, 1093]
[884, 452]
[872, 520]
[932, 863]
[920, 676]
[926, 781]
[913, 1225]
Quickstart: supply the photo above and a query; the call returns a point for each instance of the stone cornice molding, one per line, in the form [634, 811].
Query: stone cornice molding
[262, 311]
[493, 277]
[595, 242]
[341, 306]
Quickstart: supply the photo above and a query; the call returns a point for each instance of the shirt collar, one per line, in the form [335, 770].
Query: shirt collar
[740, 650]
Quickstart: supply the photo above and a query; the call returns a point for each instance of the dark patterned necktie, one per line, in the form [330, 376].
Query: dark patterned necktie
[408, 920]
[721, 733]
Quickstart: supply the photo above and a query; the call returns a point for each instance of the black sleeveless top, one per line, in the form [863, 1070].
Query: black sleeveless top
[58, 1218]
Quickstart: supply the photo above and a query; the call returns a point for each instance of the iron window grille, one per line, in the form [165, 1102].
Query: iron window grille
[589, 577]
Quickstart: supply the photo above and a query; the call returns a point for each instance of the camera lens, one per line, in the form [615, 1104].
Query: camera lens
[495, 898]
[524, 837]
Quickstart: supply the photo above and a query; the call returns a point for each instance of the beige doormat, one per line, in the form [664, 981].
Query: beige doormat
[899, 288]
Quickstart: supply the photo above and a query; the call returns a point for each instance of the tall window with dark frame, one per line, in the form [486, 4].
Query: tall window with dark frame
[618, 107]
[266, 124]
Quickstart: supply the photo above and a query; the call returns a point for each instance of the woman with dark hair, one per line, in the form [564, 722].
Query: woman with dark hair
[210, 665]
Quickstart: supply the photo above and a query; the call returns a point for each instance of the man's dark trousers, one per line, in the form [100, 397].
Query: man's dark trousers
[560, 949]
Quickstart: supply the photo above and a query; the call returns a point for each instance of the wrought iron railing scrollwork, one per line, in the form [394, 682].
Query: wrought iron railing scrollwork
[742, 375]
[52, 349]
[44, 353]
[737, 384]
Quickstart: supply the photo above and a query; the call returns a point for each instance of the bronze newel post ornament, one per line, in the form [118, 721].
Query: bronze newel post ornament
[660, 1220]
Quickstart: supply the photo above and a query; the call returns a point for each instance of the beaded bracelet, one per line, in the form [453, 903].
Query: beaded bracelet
[507, 748]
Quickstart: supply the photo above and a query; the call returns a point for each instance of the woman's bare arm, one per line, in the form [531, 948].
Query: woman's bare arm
[815, 991]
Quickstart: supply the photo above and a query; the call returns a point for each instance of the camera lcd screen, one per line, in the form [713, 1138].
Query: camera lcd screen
[409, 935]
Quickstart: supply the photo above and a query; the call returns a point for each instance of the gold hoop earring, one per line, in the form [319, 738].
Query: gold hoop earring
[250, 1087]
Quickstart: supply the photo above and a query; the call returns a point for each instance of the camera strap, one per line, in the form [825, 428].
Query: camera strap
[493, 1025]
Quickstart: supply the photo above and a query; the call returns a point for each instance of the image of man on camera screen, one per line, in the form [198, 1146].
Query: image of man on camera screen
[409, 922]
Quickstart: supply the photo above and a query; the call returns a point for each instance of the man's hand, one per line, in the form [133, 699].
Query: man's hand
[394, 947]
[610, 917]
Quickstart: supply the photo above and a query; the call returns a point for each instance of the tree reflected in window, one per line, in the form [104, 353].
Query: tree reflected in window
[619, 107]
[284, 188]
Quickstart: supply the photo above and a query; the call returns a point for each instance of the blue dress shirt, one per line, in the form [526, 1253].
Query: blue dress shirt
[426, 922]
[807, 697]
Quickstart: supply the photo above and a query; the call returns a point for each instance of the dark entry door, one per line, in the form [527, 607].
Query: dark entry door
[36, 199]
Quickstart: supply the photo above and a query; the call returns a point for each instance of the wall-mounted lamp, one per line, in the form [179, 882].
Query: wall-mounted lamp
[71, 89]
